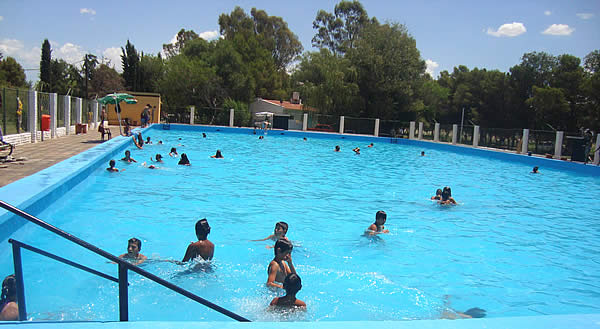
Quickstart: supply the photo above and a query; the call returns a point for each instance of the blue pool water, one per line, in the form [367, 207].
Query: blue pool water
[518, 244]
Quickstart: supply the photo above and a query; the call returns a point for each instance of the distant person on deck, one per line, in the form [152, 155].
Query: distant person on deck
[201, 248]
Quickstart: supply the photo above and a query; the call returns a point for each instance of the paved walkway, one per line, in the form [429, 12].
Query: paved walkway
[42, 155]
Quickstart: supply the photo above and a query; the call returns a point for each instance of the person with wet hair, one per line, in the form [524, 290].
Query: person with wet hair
[378, 226]
[278, 269]
[128, 157]
[134, 246]
[337, 148]
[111, 167]
[9, 310]
[447, 196]
[202, 248]
[292, 285]
[184, 161]
[280, 231]
[173, 152]
[535, 170]
[217, 155]
[438, 195]
[157, 158]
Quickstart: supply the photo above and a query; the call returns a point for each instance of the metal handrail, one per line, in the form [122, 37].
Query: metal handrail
[124, 266]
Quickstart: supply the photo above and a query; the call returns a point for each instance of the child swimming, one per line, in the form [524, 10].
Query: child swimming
[378, 226]
[134, 246]
[292, 284]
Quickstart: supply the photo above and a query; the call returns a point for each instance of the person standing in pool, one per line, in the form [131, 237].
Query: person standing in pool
[201, 248]
[292, 284]
[134, 246]
[184, 161]
[535, 170]
[278, 269]
[217, 155]
[111, 167]
[128, 157]
[9, 310]
[173, 152]
[447, 196]
[378, 227]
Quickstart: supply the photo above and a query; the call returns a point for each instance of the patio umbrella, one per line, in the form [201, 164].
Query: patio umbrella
[115, 99]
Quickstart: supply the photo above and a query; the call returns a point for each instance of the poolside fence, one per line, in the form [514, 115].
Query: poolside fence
[69, 115]
[43, 115]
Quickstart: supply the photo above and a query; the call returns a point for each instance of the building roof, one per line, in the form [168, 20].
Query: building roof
[289, 106]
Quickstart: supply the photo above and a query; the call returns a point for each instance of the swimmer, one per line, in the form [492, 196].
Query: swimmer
[438, 195]
[261, 137]
[292, 284]
[160, 142]
[201, 248]
[184, 161]
[535, 170]
[305, 139]
[422, 153]
[148, 141]
[378, 227]
[217, 155]
[9, 310]
[370, 145]
[452, 314]
[356, 150]
[203, 135]
[173, 152]
[139, 142]
[278, 269]
[128, 157]
[337, 148]
[447, 196]
[281, 229]
[157, 158]
[112, 168]
[134, 246]
[149, 167]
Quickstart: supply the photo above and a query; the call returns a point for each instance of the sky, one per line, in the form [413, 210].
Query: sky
[485, 34]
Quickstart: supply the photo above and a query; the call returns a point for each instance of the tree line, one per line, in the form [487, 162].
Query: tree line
[362, 68]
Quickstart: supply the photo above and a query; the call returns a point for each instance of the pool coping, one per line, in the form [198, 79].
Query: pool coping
[51, 183]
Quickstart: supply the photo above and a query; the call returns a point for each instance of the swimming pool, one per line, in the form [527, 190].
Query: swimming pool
[514, 246]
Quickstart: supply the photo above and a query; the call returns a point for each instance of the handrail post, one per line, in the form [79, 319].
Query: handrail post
[19, 281]
[123, 294]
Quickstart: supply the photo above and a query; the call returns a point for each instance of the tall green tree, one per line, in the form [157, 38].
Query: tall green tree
[151, 69]
[339, 31]
[45, 74]
[183, 37]
[12, 73]
[568, 76]
[130, 60]
[550, 106]
[89, 64]
[105, 80]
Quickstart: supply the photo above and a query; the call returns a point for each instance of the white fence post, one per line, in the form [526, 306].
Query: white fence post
[475, 136]
[525, 141]
[454, 133]
[420, 131]
[305, 122]
[192, 110]
[32, 114]
[231, 115]
[67, 109]
[597, 152]
[53, 111]
[411, 132]
[436, 133]
[342, 124]
[77, 110]
[558, 144]
[376, 132]
[95, 114]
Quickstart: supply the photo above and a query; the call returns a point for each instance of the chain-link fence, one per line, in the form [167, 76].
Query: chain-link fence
[211, 116]
[446, 133]
[428, 131]
[43, 108]
[73, 120]
[465, 135]
[323, 122]
[10, 120]
[362, 126]
[541, 141]
[506, 139]
[60, 112]
[394, 128]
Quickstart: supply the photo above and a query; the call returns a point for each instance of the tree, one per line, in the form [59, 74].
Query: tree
[339, 31]
[130, 60]
[105, 80]
[150, 71]
[550, 106]
[89, 64]
[328, 83]
[592, 62]
[12, 73]
[568, 76]
[45, 65]
[389, 68]
[183, 37]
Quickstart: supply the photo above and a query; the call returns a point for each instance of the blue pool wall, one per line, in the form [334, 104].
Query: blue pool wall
[35, 193]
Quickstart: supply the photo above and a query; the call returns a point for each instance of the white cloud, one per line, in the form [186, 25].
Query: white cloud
[87, 11]
[209, 35]
[114, 55]
[585, 15]
[559, 29]
[174, 39]
[431, 67]
[508, 30]
[71, 53]
[547, 13]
